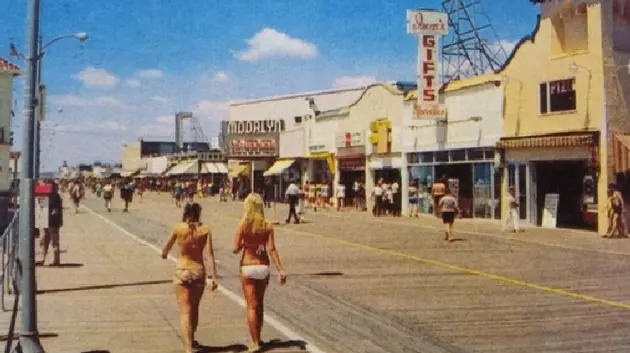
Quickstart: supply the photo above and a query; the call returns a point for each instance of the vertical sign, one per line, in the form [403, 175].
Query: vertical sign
[428, 26]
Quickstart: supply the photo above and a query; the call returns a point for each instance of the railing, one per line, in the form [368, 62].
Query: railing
[9, 277]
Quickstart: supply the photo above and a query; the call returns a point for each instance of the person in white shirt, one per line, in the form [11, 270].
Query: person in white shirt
[292, 194]
[108, 194]
[355, 190]
[341, 196]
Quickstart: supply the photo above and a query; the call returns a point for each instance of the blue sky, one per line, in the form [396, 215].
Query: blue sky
[146, 60]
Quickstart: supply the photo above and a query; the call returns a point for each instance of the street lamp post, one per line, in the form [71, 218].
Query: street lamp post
[29, 336]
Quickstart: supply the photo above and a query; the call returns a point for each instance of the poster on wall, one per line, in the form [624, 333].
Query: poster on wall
[550, 211]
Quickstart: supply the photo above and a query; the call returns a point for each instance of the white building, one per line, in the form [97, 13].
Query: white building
[8, 72]
[261, 131]
[462, 147]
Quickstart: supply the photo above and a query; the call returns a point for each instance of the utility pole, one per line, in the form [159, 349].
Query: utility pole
[29, 335]
[40, 113]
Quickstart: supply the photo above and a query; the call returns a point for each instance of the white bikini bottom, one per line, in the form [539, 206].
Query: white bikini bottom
[255, 271]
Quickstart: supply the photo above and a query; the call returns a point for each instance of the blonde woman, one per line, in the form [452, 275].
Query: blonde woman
[190, 275]
[255, 238]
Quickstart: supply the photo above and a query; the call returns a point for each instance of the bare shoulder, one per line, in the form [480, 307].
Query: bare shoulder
[204, 229]
[180, 228]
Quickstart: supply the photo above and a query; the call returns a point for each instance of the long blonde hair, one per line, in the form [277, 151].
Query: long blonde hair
[254, 217]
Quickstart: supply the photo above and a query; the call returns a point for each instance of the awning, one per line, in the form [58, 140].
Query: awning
[222, 168]
[209, 168]
[188, 167]
[351, 156]
[238, 171]
[621, 153]
[278, 167]
[549, 141]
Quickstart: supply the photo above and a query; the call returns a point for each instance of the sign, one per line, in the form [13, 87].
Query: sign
[350, 139]
[427, 22]
[258, 127]
[41, 212]
[561, 86]
[550, 211]
[317, 148]
[253, 147]
[351, 164]
[429, 26]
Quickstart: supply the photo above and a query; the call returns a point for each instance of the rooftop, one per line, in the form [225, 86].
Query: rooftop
[7, 66]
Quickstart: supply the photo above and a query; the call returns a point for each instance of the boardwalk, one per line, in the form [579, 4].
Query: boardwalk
[355, 285]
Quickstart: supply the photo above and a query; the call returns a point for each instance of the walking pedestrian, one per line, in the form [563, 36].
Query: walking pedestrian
[292, 194]
[413, 199]
[108, 194]
[189, 279]
[616, 214]
[55, 222]
[77, 194]
[341, 196]
[255, 239]
[126, 194]
[448, 208]
[513, 217]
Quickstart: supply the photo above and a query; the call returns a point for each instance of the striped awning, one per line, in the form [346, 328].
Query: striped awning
[278, 167]
[554, 141]
[221, 168]
[187, 167]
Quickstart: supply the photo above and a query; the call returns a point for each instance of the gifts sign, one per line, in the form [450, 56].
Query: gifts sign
[429, 26]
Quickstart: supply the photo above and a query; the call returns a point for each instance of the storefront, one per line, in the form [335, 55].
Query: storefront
[470, 174]
[350, 159]
[554, 168]
[255, 144]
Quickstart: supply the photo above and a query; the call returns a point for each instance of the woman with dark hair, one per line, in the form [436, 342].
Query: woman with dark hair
[448, 208]
[255, 238]
[189, 280]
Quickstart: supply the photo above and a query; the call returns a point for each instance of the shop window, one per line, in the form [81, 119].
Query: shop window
[413, 158]
[458, 155]
[441, 156]
[557, 96]
[475, 154]
[488, 154]
[426, 157]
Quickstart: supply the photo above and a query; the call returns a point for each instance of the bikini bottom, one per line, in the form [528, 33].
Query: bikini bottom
[259, 272]
[190, 278]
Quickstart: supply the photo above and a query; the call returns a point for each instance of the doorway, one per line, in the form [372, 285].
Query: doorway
[464, 173]
[563, 178]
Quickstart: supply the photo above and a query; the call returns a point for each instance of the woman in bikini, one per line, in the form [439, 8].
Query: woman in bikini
[255, 238]
[190, 275]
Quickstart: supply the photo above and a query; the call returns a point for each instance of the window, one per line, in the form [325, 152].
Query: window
[426, 157]
[458, 155]
[557, 96]
[441, 156]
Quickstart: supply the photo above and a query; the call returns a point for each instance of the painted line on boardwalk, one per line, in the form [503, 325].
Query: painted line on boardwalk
[470, 271]
[280, 327]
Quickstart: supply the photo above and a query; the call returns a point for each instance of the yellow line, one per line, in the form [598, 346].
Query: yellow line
[514, 282]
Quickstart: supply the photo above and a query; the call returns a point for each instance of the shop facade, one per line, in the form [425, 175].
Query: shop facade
[565, 117]
[350, 161]
[460, 149]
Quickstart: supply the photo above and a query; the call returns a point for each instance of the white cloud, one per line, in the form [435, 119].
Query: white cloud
[100, 78]
[76, 101]
[353, 81]
[132, 82]
[161, 126]
[149, 74]
[101, 126]
[211, 110]
[159, 99]
[507, 45]
[221, 76]
[270, 43]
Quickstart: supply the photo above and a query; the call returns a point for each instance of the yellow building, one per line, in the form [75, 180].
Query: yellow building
[566, 88]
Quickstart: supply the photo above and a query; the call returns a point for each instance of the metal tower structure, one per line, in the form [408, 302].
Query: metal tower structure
[194, 132]
[472, 46]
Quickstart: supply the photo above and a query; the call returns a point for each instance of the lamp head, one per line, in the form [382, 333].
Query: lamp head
[574, 67]
[82, 36]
